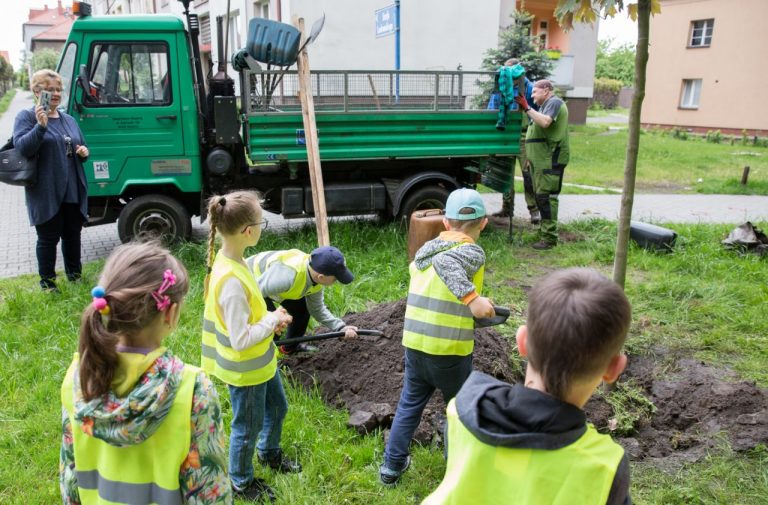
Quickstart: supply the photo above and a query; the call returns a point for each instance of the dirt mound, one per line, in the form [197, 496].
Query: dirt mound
[689, 405]
[695, 404]
[366, 375]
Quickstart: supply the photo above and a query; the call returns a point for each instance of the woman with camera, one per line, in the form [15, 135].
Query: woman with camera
[58, 204]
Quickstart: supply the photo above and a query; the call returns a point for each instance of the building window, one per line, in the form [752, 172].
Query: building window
[691, 94]
[701, 33]
[261, 9]
[205, 30]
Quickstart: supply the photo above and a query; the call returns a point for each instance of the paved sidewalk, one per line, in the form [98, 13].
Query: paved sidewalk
[17, 238]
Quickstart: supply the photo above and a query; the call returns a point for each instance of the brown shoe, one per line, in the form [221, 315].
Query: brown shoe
[543, 245]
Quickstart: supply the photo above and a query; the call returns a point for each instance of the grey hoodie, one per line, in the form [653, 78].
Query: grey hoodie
[514, 416]
[455, 267]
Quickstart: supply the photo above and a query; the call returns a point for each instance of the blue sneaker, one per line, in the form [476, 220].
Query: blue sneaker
[390, 477]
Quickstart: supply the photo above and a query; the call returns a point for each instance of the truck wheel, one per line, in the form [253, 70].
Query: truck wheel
[154, 216]
[427, 197]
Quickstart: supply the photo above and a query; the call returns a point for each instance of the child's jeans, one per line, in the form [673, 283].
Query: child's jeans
[257, 411]
[423, 374]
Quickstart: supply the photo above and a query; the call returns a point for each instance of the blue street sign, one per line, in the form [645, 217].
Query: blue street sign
[385, 21]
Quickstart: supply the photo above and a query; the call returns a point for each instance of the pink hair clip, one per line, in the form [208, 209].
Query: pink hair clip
[163, 300]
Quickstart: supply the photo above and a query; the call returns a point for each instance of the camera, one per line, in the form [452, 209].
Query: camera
[45, 100]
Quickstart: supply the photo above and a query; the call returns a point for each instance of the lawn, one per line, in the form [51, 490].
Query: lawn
[665, 164]
[700, 300]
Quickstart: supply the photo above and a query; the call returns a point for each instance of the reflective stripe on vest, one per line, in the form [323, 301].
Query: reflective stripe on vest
[254, 365]
[436, 322]
[294, 259]
[478, 473]
[141, 474]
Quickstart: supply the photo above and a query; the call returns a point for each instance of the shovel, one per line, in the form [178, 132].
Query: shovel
[326, 336]
[502, 314]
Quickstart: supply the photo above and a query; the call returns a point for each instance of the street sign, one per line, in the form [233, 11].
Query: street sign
[385, 21]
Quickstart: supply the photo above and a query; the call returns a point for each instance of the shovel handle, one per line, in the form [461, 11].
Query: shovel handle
[326, 336]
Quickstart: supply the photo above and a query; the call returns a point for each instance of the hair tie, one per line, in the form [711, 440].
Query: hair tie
[222, 201]
[163, 300]
[99, 302]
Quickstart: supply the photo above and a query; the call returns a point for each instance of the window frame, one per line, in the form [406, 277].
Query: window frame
[130, 43]
[697, 93]
[708, 24]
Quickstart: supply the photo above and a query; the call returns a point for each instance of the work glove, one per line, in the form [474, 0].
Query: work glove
[522, 102]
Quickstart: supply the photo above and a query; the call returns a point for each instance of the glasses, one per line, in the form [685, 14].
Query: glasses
[54, 90]
[263, 224]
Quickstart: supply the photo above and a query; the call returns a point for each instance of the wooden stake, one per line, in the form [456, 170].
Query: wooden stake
[375, 95]
[745, 176]
[310, 136]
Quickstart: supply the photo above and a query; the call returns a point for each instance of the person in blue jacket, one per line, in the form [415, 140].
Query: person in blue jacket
[509, 79]
[58, 204]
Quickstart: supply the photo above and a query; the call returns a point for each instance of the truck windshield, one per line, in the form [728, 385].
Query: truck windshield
[66, 71]
[128, 74]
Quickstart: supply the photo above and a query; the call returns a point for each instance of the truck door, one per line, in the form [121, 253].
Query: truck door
[131, 111]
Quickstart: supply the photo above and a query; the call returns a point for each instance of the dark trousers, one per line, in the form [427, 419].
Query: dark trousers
[66, 226]
[423, 374]
[298, 310]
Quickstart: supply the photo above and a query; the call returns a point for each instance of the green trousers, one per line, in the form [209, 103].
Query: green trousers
[547, 183]
[508, 198]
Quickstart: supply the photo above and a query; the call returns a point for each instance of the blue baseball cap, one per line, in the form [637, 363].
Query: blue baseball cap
[328, 260]
[464, 199]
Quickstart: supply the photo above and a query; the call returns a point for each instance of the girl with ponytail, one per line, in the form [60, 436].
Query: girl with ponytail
[139, 425]
[238, 331]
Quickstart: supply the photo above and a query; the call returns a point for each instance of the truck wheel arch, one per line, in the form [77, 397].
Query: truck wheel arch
[407, 188]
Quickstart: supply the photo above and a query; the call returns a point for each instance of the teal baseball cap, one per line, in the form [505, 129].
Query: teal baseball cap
[464, 205]
[517, 71]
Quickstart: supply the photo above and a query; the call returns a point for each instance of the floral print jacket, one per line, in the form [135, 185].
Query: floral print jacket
[133, 411]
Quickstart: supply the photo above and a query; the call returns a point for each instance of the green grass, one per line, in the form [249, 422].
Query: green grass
[5, 101]
[665, 164]
[702, 300]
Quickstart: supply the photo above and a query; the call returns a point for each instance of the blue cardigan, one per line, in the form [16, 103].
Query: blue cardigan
[44, 198]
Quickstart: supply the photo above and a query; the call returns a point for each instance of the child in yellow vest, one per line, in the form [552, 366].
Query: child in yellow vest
[531, 443]
[237, 344]
[139, 425]
[438, 332]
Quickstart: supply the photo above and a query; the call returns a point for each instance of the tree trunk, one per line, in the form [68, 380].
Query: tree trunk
[633, 143]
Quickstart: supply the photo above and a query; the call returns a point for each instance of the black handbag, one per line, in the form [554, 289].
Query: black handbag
[15, 168]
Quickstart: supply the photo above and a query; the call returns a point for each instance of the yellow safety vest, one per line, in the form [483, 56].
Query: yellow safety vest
[248, 367]
[145, 473]
[435, 321]
[481, 474]
[292, 258]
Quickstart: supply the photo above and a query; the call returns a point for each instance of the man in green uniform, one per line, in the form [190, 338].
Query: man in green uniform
[548, 151]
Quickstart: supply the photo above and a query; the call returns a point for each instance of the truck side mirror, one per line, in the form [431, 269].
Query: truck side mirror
[85, 84]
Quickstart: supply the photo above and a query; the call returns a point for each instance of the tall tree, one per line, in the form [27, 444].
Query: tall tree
[587, 11]
[616, 63]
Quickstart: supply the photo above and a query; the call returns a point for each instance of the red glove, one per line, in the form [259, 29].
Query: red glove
[522, 102]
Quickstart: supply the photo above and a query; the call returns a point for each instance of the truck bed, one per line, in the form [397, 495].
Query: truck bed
[378, 115]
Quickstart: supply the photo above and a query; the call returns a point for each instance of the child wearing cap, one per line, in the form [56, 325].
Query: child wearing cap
[295, 280]
[530, 442]
[438, 333]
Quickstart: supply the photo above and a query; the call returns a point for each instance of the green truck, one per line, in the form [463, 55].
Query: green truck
[163, 139]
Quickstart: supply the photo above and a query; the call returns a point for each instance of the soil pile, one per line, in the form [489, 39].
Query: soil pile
[694, 403]
[365, 375]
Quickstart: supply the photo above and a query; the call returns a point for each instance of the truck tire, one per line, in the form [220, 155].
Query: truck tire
[425, 197]
[154, 216]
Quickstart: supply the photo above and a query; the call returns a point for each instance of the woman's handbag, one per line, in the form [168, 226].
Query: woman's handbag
[15, 168]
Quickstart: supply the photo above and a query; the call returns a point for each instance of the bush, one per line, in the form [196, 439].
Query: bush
[607, 92]
[714, 136]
